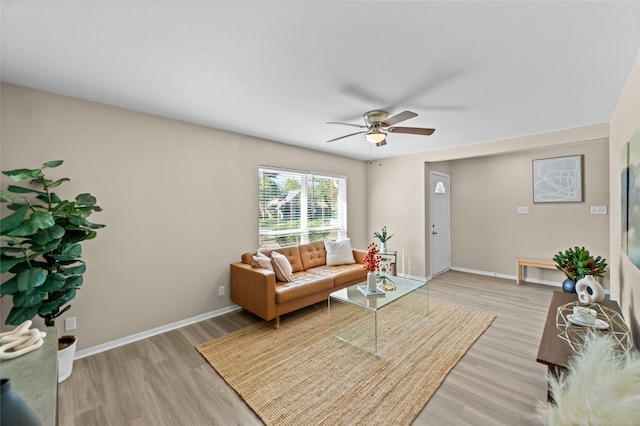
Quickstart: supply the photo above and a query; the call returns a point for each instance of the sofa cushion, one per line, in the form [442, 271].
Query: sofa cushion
[343, 274]
[350, 274]
[313, 254]
[281, 267]
[260, 260]
[303, 284]
[293, 255]
[339, 252]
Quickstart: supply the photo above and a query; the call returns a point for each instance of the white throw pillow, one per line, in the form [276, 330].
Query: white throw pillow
[263, 261]
[339, 252]
[282, 267]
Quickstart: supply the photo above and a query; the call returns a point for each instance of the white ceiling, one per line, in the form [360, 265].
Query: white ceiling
[476, 71]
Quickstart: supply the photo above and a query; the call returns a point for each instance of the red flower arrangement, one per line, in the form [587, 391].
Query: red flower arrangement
[371, 259]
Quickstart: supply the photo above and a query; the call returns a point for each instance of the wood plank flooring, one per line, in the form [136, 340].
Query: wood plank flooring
[163, 380]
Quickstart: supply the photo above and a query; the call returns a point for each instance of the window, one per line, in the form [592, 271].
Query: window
[299, 207]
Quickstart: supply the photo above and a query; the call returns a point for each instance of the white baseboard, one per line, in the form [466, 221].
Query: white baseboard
[155, 331]
[507, 277]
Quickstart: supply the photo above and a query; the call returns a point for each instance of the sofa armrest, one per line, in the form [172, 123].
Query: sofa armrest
[253, 289]
[359, 255]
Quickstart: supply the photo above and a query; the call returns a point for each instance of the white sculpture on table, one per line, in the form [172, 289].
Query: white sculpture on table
[582, 288]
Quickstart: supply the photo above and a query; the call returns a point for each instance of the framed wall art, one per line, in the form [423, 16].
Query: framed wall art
[557, 180]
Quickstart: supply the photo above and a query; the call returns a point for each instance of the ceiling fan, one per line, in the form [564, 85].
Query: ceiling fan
[378, 124]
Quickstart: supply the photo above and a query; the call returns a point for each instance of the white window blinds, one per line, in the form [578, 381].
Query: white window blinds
[297, 207]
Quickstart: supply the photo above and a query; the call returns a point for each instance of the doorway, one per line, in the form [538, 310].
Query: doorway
[439, 217]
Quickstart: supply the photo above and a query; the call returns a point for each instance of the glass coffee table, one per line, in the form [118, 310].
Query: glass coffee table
[354, 317]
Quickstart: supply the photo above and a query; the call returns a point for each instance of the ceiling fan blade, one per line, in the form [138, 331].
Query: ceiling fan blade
[346, 136]
[347, 124]
[411, 130]
[405, 115]
[426, 83]
[383, 142]
[363, 95]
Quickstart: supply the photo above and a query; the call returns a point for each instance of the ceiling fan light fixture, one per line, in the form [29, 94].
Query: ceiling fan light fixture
[375, 135]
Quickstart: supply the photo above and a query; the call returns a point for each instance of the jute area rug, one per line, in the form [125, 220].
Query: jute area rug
[302, 375]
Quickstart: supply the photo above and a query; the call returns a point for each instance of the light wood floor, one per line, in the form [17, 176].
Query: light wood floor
[163, 380]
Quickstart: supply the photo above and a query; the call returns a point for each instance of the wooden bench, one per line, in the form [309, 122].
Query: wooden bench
[535, 262]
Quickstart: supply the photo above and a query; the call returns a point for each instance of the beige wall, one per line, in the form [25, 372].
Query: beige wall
[393, 203]
[488, 182]
[180, 204]
[488, 234]
[625, 282]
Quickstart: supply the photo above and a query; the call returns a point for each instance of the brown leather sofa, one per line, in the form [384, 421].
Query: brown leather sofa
[258, 291]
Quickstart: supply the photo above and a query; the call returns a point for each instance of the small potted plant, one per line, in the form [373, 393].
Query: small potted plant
[383, 237]
[41, 251]
[576, 263]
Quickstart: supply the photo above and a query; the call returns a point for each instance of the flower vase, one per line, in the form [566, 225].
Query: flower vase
[383, 247]
[589, 290]
[371, 281]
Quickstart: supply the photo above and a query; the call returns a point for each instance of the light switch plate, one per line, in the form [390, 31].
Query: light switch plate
[522, 210]
[598, 209]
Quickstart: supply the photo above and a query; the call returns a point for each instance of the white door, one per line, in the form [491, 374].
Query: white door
[440, 231]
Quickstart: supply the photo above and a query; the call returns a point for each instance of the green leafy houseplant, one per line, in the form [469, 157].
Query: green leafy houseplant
[382, 236]
[41, 245]
[577, 262]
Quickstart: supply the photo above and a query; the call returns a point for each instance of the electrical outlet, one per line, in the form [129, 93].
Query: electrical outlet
[69, 323]
[598, 209]
[522, 210]
[221, 291]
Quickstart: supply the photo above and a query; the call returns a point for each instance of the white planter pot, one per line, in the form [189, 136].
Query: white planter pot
[65, 360]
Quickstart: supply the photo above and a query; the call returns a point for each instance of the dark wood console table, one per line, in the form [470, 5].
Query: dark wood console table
[553, 351]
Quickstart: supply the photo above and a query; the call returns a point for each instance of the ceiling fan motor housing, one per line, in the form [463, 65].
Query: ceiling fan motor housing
[375, 117]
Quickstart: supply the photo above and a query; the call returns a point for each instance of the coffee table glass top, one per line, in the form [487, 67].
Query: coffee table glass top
[404, 285]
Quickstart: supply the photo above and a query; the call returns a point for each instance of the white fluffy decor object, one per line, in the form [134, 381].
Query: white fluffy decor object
[601, 387]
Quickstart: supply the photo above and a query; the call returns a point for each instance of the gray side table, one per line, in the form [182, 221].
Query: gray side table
[34, 377]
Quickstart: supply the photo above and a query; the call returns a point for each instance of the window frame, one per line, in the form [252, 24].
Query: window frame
[304, 233]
